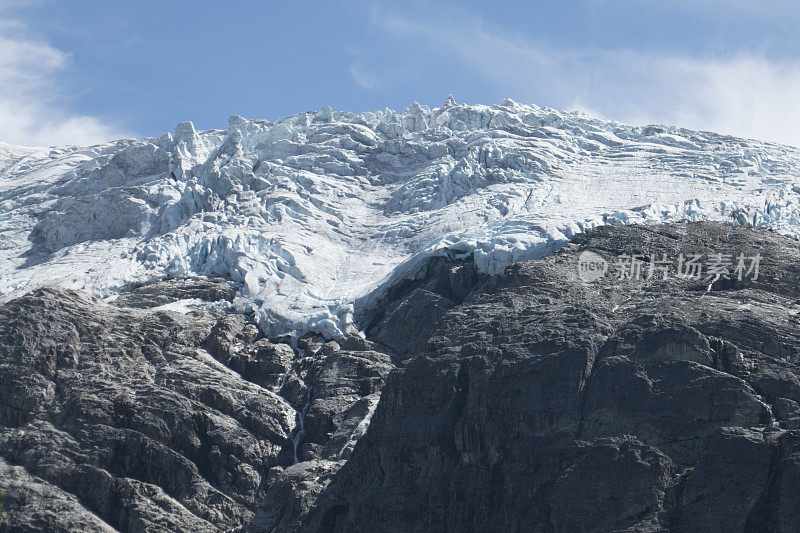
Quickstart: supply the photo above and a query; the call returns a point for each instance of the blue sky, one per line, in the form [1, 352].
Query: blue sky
[85, 71]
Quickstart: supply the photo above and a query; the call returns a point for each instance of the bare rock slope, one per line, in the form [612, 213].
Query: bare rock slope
[544, 403]
[134, 418]
[528, 401]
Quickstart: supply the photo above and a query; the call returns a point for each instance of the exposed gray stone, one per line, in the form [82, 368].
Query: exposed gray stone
[531, 401]
[544, 403]
[141, 420]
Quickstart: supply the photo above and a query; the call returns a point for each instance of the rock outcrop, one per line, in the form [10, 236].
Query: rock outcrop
[529, 401]
[546, 403]
[128, 417]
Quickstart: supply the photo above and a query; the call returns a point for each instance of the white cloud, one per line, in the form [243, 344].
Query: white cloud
[33, 108]
[747, 95]
[364, 77]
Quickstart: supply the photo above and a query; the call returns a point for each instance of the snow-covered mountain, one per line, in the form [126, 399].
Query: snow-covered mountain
[318, 214]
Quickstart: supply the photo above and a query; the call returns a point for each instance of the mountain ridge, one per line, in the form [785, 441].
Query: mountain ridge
[318, 215]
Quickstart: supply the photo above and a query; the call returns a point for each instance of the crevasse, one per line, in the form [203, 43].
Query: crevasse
[317, 214]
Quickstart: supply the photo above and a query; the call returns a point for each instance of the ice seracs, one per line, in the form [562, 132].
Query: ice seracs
[318, 213]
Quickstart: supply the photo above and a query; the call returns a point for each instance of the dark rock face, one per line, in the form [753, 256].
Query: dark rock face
[532, 401]
[133, 419]
[411, 316]
[122, 409]
[545, 403]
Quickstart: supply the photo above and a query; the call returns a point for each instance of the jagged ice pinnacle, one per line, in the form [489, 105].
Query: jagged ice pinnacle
[318, 214]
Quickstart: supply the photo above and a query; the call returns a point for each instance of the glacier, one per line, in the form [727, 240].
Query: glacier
[319, 214]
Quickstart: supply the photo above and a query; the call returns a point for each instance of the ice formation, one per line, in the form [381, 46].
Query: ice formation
[318, 213]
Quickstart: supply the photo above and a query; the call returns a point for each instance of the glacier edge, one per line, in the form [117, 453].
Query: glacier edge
[317, 214]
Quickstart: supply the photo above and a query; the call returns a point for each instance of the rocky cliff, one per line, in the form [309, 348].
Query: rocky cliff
[529, 401]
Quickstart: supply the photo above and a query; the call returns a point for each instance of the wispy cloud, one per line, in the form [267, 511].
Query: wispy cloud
[364, 77]
[34, 109]
[748, 95]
